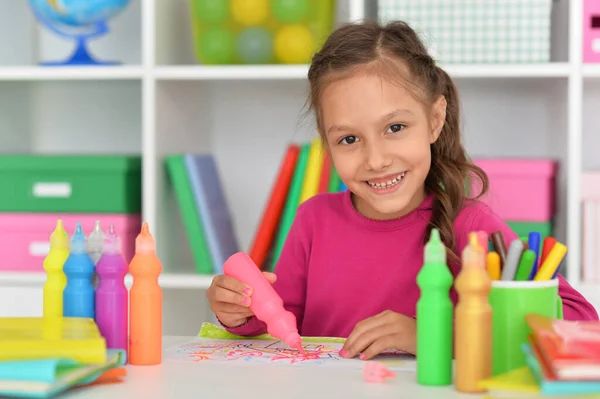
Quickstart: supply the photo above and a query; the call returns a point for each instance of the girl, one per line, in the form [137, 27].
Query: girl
[389, 118]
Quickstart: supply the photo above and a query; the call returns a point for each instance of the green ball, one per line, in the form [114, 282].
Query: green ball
[255, 46]
[290, 11]
[216, 46]
[211, 11]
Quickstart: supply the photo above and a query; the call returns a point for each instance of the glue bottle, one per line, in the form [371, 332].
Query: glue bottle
[265, 303]
[473, 345]
[96, 243]
[111, 294]
[78, 296]
[145, 323]
[55, 276]
[434, 316]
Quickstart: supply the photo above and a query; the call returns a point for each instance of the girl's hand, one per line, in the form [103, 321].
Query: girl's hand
[230, 299]
[384, 331]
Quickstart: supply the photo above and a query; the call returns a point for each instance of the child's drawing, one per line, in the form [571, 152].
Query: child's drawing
[270, 352]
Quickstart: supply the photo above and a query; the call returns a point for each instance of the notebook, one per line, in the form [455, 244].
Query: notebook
[48, 377]
[571, 349]
[35, 338]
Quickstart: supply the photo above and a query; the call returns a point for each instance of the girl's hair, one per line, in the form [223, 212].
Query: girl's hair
[396, 50]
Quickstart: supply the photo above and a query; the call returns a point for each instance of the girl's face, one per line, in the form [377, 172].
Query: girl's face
[379, 137]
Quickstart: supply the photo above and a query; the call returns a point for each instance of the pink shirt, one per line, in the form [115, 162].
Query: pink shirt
[338, 267]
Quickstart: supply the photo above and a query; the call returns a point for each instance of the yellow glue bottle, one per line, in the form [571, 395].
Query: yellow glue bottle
[55, 277]
[473, 328]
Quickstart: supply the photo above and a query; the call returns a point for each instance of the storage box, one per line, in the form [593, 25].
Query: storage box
[524, 228]
[591, 31]
[260, 32]
[25, 238]
[590, 195]
[70, 183]
[477, 31]
[520, 190]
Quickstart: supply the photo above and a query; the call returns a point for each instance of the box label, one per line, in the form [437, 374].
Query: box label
[60, 190]
[39, 248]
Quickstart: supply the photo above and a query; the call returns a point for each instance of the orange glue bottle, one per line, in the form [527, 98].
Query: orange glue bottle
[265, 303]
[56, 280]
[473, 329]
[145, 308]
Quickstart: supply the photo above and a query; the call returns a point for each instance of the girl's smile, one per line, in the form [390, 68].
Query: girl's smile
[386, 184]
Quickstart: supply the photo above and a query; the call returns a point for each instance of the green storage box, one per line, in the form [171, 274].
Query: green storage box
[71, 183]
[524, 228]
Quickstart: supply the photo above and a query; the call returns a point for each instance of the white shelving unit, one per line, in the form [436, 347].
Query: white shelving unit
[160, 101]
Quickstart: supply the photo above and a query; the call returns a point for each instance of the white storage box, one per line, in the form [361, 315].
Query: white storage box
[477, 31]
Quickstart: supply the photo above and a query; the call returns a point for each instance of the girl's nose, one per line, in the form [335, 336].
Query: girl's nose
[376, 157]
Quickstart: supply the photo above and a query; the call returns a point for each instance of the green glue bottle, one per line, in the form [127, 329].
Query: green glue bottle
[434, 316]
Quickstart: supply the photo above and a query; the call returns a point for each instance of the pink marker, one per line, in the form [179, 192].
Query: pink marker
[266, 304]
[111, 294]
[376, 372]
[482, 239]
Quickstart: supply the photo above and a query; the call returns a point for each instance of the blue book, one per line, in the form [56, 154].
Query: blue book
[212, 206]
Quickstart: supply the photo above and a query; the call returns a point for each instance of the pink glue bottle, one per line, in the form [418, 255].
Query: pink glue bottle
[265, 303]
[111, 294]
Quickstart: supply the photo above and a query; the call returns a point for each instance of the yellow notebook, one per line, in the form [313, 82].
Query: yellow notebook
[518, 382]
[26, 338]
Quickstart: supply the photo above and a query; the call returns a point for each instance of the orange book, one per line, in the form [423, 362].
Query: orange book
[571, 349]
[325, 173]
[274, 207]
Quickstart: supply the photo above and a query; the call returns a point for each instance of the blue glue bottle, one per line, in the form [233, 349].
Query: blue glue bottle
[78, 296]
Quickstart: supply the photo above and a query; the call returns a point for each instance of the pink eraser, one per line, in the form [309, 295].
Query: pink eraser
[376, 372]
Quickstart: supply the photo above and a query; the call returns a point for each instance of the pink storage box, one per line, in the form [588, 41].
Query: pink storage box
[591, 31]
[520, 189]
[25, 237]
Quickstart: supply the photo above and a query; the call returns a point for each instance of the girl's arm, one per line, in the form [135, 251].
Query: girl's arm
[291, 269]
[478, 216]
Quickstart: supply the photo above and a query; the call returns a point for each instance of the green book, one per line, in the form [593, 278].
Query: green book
[292, 202]
[334, 181]
[190, 216]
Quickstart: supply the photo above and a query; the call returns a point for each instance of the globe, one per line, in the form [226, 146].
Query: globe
[79, 20]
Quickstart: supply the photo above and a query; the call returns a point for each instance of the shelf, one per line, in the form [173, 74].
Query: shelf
[549, 70]
[231, 72]
[275, 72]
[591, 70]
[590, 291]
[71, 73]
[166, 280]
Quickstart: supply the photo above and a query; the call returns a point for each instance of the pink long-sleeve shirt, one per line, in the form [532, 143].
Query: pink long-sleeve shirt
[338, 267]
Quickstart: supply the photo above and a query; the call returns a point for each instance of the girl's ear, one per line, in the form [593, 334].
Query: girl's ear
[438, 118]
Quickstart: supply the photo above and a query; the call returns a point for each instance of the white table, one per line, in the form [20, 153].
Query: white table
[218, 380]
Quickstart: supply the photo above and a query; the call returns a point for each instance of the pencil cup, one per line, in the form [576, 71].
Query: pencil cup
[511, 301]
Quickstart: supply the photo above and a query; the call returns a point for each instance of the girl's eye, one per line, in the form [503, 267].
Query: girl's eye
[349, 140]
[396, 127]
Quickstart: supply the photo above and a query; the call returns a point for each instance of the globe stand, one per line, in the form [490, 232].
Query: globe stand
[81, 54]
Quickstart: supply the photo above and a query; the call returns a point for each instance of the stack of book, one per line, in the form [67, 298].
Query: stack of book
[42, 357]
[563, 360]
[306, 170]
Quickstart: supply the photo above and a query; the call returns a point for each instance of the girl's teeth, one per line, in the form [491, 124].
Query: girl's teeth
[389, 183]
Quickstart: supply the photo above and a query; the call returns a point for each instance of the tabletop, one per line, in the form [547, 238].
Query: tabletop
[219, 380]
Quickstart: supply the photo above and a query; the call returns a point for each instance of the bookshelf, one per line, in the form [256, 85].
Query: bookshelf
[160, 101]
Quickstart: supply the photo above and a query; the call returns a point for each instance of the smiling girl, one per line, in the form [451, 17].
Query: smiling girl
[389, 117]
